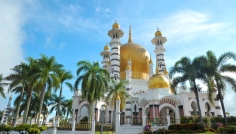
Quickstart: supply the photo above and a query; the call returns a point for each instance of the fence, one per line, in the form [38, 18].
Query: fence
[130, 120]
[84, 126]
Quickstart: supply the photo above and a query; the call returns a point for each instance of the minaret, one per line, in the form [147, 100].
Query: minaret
[115, 33]
[159, 41]
[128, 106]
[106, 57]
[128, 76]
[150, 68]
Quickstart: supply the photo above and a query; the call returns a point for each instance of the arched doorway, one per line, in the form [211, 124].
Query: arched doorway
[163, 115]
[84, 112]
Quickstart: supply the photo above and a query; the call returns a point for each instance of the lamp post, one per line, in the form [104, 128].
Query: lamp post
[32, 112]
[103, 108]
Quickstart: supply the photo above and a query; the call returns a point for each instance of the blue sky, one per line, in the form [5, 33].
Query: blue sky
[77, 30]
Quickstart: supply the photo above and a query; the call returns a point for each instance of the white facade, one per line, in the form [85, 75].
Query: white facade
[145, 98]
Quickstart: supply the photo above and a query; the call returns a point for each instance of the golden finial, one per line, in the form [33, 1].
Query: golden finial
[130, 35]
[158, 32]
[11, 97]
[109, 63]
[150, 61]
[106, 48]
[115, 25]
[118, 97]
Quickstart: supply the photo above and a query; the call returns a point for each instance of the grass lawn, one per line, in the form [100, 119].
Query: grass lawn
[105, 132]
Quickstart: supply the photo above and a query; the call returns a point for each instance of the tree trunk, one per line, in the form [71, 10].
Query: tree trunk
[198, 104]
[18, 107]
[221, 101]
[27, 107]
[59, 103]
[41, 102]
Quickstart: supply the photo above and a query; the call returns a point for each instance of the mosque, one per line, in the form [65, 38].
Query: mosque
[149, 91]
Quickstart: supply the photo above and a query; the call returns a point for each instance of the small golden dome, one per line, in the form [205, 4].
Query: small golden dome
[128, 67]
[117, 97]
[106, 48]
[158, 33]
[158, 81]
[115, 25]
[165, 72]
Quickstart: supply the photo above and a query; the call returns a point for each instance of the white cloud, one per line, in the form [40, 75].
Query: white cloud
[107, 12]
[11, 38]
[188, 25]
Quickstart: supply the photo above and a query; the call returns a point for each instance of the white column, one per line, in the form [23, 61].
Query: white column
[93, 124]
[168, 117]
[118, 117]
[144, 118]
[73, 120]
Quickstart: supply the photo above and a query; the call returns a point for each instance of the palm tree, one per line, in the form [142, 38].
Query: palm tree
[2, 84]
[215, 71]
[63, 76]
[32, 82]
[18, 80]
[189, 70]
[54, 103]
[117, 89]
[48, 78]
[67, 109]
[94, 82]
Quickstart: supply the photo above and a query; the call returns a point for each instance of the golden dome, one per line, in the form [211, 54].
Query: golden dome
[106, 48]
[158, 33]
[158, 81]
[115, 25]
[128, 68]
[117, 97]
[139, 57]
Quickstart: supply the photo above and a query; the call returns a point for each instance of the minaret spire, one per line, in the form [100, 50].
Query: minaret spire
[130, 35]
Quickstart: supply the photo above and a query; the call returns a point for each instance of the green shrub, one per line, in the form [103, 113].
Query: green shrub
[227, 129]
[193, 126]
[33, 130]
[42, 128]
[6, 128]
[22, 129]
[84, 120]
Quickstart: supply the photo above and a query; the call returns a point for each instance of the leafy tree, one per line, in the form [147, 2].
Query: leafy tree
[189, 70]
[94, 82]
[216, 69]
